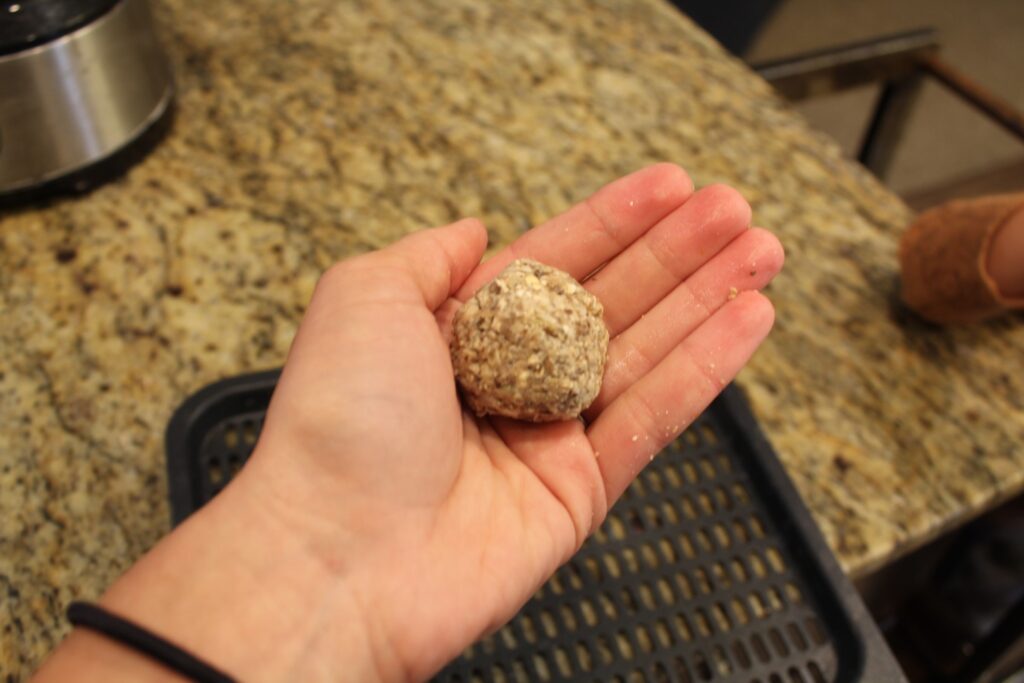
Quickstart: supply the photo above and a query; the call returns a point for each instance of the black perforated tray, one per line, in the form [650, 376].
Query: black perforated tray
[708, 569]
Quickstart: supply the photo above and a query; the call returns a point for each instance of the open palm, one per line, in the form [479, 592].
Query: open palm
[443, 523]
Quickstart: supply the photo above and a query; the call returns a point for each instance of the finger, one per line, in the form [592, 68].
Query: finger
[592, 232]
[668, 253]
[368, 306]
[656, 409]
[440, 259]
[749, 262]
[426, 267]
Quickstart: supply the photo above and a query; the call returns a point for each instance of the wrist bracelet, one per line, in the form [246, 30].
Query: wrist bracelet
[95, 618]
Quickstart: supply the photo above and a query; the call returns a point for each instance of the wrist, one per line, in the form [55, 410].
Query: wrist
[244, 590]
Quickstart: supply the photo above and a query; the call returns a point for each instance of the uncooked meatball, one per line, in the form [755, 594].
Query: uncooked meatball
[530, 345]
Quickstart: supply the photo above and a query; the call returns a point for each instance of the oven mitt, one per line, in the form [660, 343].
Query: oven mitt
[943, 257]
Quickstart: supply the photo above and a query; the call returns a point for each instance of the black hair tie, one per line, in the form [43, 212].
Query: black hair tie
[95, 618]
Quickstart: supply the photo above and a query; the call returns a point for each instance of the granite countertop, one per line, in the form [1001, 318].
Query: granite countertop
[307, 132]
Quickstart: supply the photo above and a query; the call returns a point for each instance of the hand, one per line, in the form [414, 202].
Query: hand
[420, 526]
[446, 522]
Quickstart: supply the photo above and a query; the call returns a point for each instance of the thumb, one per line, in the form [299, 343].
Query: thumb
[439, 260]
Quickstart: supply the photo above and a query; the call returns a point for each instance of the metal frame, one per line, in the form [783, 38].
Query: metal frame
[901, 63]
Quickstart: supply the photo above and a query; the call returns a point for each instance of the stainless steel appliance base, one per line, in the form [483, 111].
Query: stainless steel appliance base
[97, 173]
[77, 107]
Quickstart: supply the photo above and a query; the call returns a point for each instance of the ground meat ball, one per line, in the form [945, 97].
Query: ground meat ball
[530, 345]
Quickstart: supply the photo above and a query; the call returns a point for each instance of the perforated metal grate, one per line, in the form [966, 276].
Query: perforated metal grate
[707, 569]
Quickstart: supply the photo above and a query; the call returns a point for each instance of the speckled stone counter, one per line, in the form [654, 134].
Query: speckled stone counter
[309, 131]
